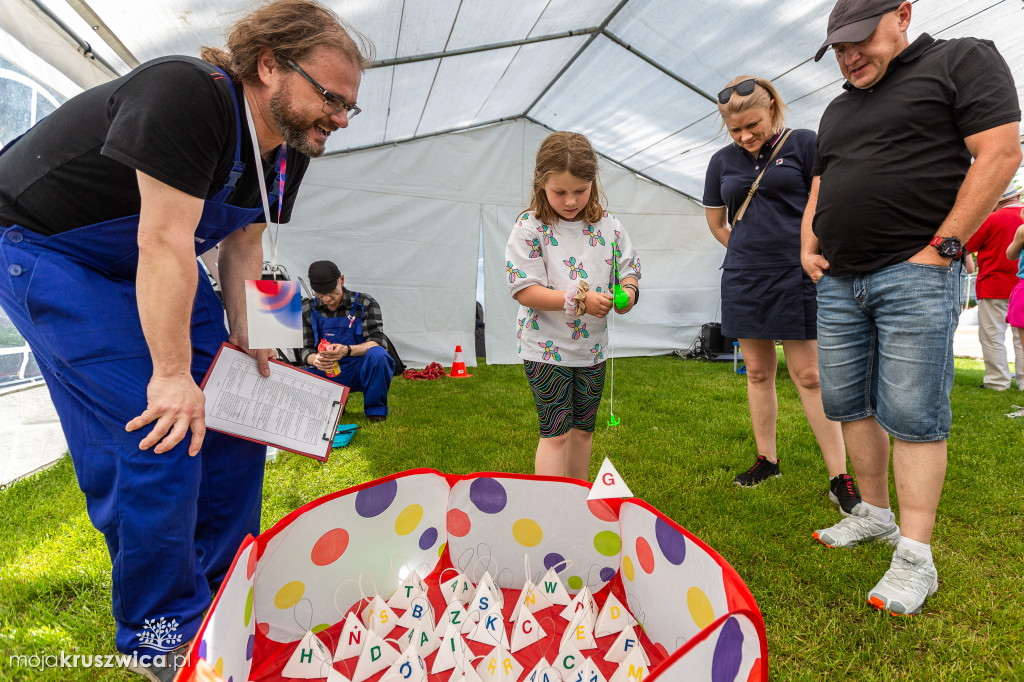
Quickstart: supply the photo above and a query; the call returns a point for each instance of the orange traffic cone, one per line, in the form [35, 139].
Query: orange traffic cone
[459, 365]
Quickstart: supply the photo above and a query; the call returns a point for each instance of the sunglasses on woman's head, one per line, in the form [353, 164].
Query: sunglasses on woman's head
[743, 88]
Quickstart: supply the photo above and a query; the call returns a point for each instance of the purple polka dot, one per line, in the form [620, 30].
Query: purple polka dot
[250, 645]
[488, 495]
[428, 538]
[670, 541]
[607, 574]
[202, 649]
[231, 679]
[373, 501]
[728, 652]
[555, 559]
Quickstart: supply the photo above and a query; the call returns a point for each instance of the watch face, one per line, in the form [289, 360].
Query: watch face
[949, 248]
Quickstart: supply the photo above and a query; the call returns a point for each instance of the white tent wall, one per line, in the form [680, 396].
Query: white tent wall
[413, 243]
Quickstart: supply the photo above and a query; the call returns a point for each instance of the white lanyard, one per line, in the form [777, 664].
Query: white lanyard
[273, 227]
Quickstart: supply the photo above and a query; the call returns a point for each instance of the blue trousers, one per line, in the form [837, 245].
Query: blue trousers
[172, 523]
[368, 374]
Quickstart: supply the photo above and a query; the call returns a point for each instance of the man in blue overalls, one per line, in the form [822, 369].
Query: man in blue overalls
[104, 206]
[353, 327]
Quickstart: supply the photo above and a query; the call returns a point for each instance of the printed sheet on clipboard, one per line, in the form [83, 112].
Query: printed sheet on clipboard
[291, 409]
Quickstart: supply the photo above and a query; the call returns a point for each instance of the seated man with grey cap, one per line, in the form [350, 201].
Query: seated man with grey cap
[894, 195]
[353, 327]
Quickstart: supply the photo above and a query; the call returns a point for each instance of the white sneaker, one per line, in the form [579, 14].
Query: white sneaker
[905, 586]
[860, 526]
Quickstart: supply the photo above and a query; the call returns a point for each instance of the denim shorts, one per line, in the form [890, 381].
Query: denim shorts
[885, 347]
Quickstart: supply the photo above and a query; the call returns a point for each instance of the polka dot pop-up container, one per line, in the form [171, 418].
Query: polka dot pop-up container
[307, 570]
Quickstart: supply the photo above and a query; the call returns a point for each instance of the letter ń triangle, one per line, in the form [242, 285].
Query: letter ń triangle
[353, 634]
[310, 660]
[608, 484]
[612, 618]
[526, 630]
[375, 656]
[632, 669]
[624, 644]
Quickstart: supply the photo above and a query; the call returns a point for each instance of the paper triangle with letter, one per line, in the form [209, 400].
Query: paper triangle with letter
[406, 592]
[422, 637]
[526, 630]
[582, 602]
[350, 642]
[569, 658]
[550, 586]
[453, 614]
[378, 617]
[532, 598]
[486, 595]
[633, 668]
[588, 672]
[499, 666]
[453, 651]
[580, 632]
[625, 643]
[614, 617]
[310, 660]
[608, 483]
[420, 610]
[543, 672]
[409, 667]
[490, 629]
[457, 589]
[376, 655]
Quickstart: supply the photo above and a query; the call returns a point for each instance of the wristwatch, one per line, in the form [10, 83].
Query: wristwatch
[948, 247]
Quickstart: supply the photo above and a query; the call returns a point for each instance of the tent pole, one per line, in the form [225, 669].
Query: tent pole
[103, 31]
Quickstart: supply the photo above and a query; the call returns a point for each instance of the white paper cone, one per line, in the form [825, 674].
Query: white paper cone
[409, 667]
[376, 655]
[608, 483]
[588, 672]
[378, 617]
[552, 589]
[457, 589]
[543, 672]
[632, 669]
[486, 595]
[582, 602]
[406, 592]
[490, 629]
[569, 658]
[310, 660]
[499, 666]
[580, 632]
[624, 644]
[353, 635]
[452, 652]
[334, 676]
[526, 630]
[423, 638]
[614, 617]
[420, 610]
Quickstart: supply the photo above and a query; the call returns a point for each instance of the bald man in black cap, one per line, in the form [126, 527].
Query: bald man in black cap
[353, 327]
[893, 197]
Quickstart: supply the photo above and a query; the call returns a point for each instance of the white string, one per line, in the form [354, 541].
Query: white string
[611, 359]
[257, 159]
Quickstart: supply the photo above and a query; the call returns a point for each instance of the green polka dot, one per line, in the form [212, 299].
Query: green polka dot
[607, 543]
[575, 582]
[440, 550]
[248, 608]
[321, 627]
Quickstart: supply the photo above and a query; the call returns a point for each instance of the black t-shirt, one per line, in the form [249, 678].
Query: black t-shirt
[769, 234]
[892, 157]
[171, 118]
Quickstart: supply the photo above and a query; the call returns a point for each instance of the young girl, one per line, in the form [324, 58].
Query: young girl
[1015, 307]
[560, 269]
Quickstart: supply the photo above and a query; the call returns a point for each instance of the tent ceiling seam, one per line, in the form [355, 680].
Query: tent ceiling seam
[83, 47]
[427, 56]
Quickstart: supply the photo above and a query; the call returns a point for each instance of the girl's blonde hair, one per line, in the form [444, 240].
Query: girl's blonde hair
[563, 152]
[761, 98]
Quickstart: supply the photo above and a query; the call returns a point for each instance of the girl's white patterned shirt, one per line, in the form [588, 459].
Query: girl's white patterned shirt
[557, 257]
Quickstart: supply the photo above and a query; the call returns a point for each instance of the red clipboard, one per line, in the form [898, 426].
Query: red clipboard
[302, 393]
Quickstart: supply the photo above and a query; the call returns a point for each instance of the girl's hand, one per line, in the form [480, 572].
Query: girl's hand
[597, 303]
[632, 301]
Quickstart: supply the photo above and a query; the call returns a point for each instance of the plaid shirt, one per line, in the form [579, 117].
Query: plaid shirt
[373, 321]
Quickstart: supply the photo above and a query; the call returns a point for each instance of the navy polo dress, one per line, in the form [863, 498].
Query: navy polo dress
[765, 292]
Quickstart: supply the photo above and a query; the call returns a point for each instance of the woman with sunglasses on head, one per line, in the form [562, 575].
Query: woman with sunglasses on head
[754, 197]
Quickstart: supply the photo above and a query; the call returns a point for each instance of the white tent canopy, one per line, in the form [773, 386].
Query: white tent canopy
[406, 207]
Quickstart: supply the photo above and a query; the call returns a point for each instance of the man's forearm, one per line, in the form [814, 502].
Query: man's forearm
[165, 289]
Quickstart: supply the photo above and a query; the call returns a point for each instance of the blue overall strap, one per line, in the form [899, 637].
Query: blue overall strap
[239, 165]
[352, 312]
[315, 321]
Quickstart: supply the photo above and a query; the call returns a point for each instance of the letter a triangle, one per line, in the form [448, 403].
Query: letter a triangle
[453, 652]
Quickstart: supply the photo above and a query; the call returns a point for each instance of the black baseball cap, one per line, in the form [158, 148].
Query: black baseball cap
[323, 276]
[852, 21]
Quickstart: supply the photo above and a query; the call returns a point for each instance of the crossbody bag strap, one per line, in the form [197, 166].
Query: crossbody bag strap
[757, 182]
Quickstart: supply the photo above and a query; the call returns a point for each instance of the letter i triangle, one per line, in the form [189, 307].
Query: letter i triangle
[453, 652]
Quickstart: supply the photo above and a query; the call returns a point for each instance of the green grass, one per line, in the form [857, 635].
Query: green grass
[684, 434]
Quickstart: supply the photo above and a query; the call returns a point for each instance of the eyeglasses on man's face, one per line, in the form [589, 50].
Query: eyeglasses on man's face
[332, 103]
